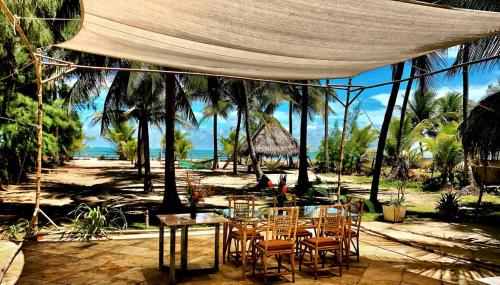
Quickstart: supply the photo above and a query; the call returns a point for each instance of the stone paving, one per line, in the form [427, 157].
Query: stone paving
[135, 261]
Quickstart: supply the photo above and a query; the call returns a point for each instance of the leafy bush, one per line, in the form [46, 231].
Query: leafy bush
[448, 205]
[94, 222]
[396, 202]
[432, 184]
[12, 232]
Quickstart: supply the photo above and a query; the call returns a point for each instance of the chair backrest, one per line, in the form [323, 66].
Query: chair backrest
[355, 209]
[282, 222]
[241, 206]
[332, 221]
[287, 203]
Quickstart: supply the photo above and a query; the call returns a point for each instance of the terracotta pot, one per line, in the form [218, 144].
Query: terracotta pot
[394, 214]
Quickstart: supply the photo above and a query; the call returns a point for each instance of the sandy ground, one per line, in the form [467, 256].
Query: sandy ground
[92, 180]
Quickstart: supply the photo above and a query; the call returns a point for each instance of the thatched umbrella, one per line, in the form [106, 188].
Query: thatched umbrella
[481, 137]
[481, 133]
[273, 140]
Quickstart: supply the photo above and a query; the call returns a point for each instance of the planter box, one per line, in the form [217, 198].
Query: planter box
[393, 213]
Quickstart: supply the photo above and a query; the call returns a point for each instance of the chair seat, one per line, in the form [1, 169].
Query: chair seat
[249, 231]
[322, 242]
[273, 245]
[303, 233]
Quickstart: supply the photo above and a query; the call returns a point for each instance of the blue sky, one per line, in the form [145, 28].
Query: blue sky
[374, 102]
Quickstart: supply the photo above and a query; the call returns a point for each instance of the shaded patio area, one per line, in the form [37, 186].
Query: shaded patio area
[135, 261]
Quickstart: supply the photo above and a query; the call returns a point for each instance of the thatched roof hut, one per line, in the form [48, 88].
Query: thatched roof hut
[481, 134]
[273, 140]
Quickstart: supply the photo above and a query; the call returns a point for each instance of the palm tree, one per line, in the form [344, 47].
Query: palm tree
[177, 101]
[396, 76]
[136, 96]
[446, 150]
[479, 49]
[303, 180]
[419, 66]
[450, 107]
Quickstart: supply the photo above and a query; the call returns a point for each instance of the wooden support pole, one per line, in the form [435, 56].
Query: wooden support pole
[342, 142]
[38, 166]
[38, 74]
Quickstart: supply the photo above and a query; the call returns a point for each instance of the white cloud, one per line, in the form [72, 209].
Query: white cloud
[452, 52]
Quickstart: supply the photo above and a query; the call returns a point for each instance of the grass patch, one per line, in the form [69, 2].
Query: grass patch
[384, 183]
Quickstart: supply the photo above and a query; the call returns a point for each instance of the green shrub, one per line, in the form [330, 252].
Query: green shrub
[448, 205]
[94, 222]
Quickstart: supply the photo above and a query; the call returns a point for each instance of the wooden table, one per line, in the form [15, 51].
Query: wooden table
[183, 221]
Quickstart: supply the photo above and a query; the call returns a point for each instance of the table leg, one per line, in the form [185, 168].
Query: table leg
[217, 240]
[161, 245]
[224, 242]
[172, 256]
[244, 250]
[184, 245]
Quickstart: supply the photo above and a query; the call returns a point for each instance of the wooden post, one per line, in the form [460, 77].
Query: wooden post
[38, 166]
[342, 142]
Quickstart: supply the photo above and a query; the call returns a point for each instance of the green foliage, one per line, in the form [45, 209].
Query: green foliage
[358, 142]
[397, 202]
[62, 135]
[227, 143]
[448, 205]
[446, 150]
[129, 148]
[120, 135]
[182, 144]
[94, 222]
[14, 231]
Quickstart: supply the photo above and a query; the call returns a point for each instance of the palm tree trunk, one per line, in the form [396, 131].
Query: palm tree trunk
[148, 185]
[303, 181]
[403, 109]
[171, 200]
[465, 103]
[290, 127]
[214, 90]
[139, 149]
[253, 156]
[236, 141]
[216, 157]
[327, 155]
[383, 133]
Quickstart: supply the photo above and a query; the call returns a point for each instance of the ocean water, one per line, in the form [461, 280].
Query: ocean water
[109, 153]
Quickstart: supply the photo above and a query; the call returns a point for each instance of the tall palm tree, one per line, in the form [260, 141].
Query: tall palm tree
[396, 76]
[476, 50]
[419, 66]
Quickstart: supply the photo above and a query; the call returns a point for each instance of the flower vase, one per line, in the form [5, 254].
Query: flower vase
[192, 211]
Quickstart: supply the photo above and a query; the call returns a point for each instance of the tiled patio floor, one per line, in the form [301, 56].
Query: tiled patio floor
[135, 261]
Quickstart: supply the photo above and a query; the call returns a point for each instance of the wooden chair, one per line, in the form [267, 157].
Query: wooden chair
[280, 240]
[330, 229]
[301, 231]
[240, 207]
[355, 210]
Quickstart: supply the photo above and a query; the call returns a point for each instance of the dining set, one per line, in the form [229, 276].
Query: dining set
[274, 239]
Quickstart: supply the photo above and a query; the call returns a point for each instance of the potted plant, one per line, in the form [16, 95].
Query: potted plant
[195, 195]
[394, 210]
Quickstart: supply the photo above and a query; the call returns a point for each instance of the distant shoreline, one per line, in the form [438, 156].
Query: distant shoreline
[109, 153]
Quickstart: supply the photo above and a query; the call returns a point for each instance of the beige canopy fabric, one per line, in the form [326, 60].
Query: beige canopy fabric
[270, 39]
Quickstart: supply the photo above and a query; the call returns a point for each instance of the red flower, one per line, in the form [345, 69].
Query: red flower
[194, 186]
[269, 183]
[195, 195]
[283, 190]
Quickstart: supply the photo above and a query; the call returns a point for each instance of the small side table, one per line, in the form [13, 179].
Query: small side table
[183, 221]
